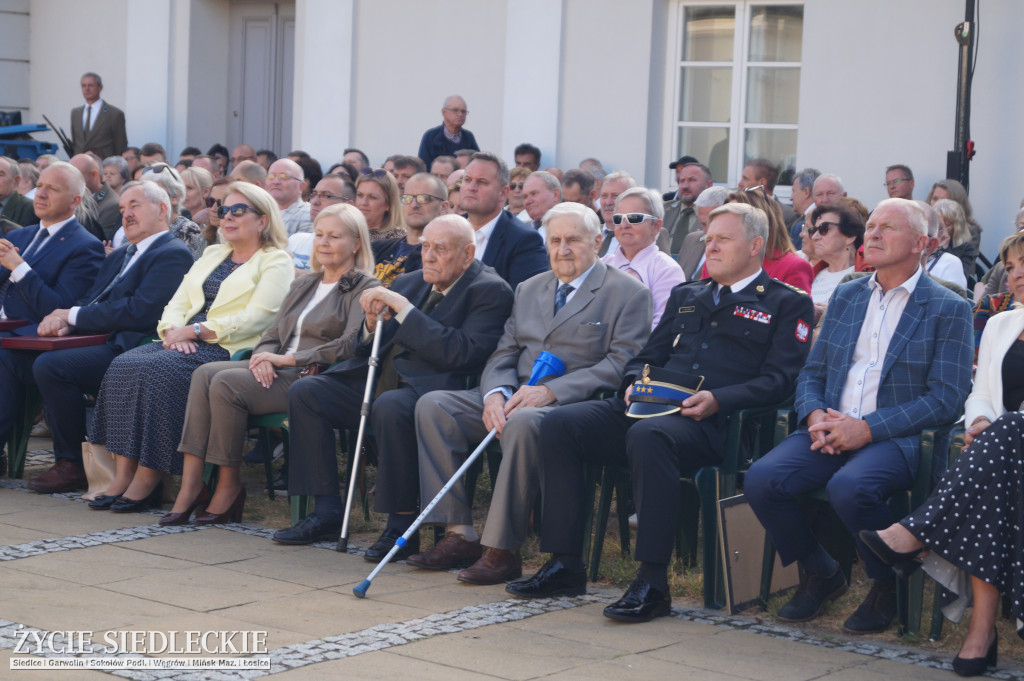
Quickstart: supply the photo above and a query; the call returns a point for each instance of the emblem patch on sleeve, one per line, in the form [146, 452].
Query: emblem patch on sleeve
[802, 331]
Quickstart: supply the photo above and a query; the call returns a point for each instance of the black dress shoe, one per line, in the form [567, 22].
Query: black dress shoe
[810, 598]
[103, 502]
[154, 500]
[905, 564]
[553, 579]
[382, 546]
[310, 530]
[642, 602]
[877, 611]
[976, 666]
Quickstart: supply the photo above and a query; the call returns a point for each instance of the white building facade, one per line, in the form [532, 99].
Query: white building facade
[846, 86]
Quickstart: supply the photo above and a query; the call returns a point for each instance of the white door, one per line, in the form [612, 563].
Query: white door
[261, 64]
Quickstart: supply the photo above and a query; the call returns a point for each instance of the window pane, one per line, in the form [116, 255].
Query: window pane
[710, 146]
[773, 95]
[776, 33]
[705, 94]
[777, 145]
[709, 33]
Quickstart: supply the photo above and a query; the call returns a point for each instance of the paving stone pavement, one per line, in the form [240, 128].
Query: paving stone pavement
[64, 568]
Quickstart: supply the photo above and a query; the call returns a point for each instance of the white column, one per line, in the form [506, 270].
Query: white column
[323, 87]
[533, 70]
[148, 86]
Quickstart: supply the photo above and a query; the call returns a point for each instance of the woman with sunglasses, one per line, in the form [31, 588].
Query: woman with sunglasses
[378, 199]
[516, 203]
[225, 303]
[318, 324]
[837, 233]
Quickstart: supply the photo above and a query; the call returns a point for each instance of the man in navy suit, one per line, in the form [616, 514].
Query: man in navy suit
[450, 136]
[512, 248]
[441, 324]
[893, 358]
[129, 294]
[48, 266]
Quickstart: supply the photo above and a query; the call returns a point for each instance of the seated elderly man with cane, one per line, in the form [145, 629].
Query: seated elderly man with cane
[440, 325]
[734, 341]
[591, 317]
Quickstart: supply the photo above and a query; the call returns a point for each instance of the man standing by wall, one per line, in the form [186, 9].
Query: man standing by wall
[97, 126]
[450, 136]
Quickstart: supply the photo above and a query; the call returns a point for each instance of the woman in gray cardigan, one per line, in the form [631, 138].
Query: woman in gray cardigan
[318, 324]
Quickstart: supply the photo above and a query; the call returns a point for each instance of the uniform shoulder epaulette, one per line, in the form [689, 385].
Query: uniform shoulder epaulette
[790, 286]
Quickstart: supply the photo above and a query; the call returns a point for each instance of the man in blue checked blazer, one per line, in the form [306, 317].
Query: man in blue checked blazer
[893, 358]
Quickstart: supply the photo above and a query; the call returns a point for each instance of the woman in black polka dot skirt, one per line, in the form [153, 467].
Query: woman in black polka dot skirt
[967, 535]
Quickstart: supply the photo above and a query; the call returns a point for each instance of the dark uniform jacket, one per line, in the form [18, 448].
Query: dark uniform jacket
[749, 347]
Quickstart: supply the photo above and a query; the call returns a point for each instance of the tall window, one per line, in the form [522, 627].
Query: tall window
[738, 85]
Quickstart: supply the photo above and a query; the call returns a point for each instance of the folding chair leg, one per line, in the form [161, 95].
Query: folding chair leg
[300, 507]
[268, 459]
[714, 586]
[17, 444]
[767, 571]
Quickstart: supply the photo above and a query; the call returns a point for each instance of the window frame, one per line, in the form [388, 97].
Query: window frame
[737, 123]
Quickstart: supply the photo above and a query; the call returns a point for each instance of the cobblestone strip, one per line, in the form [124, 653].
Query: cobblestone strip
[82, 541]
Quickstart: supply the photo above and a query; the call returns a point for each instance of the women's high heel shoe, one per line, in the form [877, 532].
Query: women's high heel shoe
[904, 563]
[976, 666]
[154, 500]
[232, 515]
[201, 500]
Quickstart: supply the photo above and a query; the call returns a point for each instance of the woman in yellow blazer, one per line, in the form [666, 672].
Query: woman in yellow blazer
[319, 324]
[224, 304]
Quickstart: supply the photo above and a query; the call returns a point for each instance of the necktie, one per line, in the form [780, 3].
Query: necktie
[433, 299]
[40, 237]
[132, 250]
[88, 118]
[721, 293]
[561, 295]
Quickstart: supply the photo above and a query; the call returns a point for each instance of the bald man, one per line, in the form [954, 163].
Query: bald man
[106, 219]
[284, 182]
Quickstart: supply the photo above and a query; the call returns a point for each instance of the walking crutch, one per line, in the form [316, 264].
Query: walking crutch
[364, 413]
[545, 365]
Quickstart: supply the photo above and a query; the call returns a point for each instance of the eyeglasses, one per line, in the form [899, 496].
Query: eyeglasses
[516, 186]
[237, 210]
[422, 199]
[324, 196]
[379, 172]
[632, 218]
[893, 183]
[156, 168]
[821, 228]
[461, 112]
[282, 177]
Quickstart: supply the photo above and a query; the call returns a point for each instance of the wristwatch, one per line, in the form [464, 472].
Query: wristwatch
[198, 329]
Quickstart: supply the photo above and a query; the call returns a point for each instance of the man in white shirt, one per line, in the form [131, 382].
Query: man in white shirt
[284, 182]
[97, 126]
[893, 357]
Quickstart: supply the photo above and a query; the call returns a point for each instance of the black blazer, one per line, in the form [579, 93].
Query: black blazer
[131, 310]
[515, 250]
[437, 351]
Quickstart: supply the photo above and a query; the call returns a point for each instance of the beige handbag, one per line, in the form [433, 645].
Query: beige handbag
[99, 469]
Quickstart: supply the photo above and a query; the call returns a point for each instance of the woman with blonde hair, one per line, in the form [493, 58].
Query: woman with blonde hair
[318, 324]
[378, 198]
[953, 190]
[224, 304]
[954, 237]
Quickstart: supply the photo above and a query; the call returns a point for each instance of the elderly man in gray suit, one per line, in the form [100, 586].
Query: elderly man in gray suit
[594, 319]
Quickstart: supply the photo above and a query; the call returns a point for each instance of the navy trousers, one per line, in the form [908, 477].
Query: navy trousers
[858, 484]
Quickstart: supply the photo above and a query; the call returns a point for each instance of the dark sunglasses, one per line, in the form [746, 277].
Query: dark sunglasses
[516, 186]
[237, 210]
[822, 228]
[210, 202]
[631, 218]
[367, 170]
[156, 168]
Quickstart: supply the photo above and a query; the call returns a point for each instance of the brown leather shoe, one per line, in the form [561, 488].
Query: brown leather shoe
[64, 476]
[495, 567]
[452, 551]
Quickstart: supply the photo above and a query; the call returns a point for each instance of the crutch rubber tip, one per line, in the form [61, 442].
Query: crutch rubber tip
[342, 545]
[360, 589]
